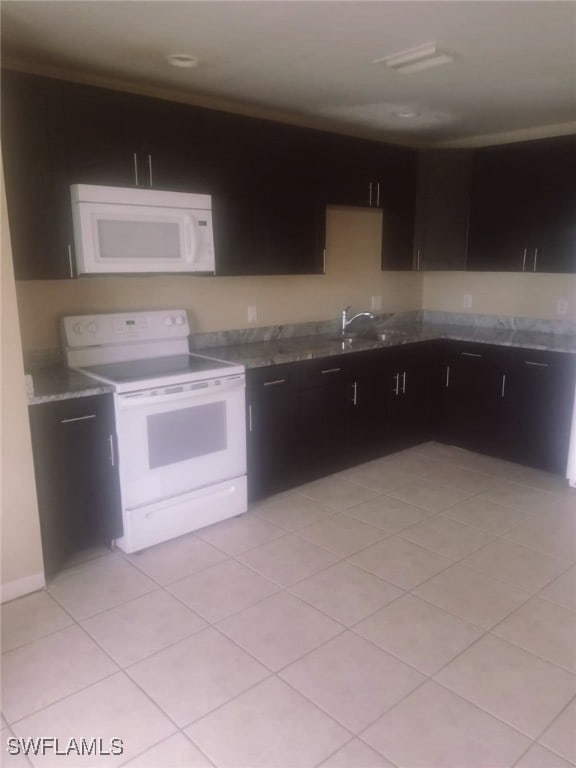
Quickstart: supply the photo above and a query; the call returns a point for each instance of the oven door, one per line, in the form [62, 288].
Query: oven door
[173, 440]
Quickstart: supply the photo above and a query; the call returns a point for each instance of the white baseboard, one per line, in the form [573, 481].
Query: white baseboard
[20, 587]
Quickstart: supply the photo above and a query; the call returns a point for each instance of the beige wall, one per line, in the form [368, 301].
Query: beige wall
[506, 293]
[353, 276]
[22, 569]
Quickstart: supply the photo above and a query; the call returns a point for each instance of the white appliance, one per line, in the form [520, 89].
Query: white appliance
[129, 230]
[180, 421]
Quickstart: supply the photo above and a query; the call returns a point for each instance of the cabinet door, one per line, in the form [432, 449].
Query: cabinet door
[539, 390]
[323, 405]
[76, 476]
[98, 149]
[443, 208]
[408, 376]
[398, 203]
[369, 432]
[501, 229]
[468, 383]
[272, 430]
[177, 145]
[37, 197]
[552, 164]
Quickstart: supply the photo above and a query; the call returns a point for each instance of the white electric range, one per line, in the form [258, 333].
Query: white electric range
[180, 421]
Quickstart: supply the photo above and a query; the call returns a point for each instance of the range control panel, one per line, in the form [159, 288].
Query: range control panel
[122, 327]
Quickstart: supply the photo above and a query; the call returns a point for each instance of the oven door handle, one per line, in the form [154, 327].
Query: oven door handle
[202, 391]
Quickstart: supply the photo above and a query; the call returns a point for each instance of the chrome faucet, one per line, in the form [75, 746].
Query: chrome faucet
[345, 322]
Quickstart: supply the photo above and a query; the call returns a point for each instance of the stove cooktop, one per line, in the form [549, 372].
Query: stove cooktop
[159, 371]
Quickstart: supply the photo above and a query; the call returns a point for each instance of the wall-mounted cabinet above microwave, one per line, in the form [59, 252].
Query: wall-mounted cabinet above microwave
[141, 231]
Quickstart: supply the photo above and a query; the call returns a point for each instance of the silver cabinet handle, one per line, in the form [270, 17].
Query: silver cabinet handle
[535, 259]
[274, 382]
[539, 365]
[78, 418]
[418, 260]
[470, 354]
[250, 418]
[135, 157]
[404, 383]
[355, 393]
[370, 194]
[397, 385]
[112, 457]
[524, 260]
[503, 385]
[331, 370]
[150, 170]
[447, 376]
[378, 194]
[324, 261]
[70, 261]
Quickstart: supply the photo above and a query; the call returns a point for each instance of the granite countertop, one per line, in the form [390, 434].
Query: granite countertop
[289, 350]
[59, 383]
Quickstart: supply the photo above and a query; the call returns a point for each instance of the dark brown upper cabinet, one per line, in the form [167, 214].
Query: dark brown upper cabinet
[442, 209]
[38, 199]
[523, 207]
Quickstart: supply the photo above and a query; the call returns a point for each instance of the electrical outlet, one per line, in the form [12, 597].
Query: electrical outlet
[562, 307]
[467, 301]
[376, 303]
[252, 313]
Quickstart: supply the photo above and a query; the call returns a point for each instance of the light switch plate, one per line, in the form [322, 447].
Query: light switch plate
[376, 303]
[467, 301]
[562, 307]
[252, 313]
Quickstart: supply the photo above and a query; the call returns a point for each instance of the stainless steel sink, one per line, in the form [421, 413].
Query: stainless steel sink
[374, 336]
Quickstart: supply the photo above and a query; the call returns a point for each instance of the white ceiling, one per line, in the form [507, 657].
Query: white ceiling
[312, 61]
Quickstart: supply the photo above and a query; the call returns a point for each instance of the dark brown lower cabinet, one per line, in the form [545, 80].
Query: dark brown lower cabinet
[511, 403]
[76, 476]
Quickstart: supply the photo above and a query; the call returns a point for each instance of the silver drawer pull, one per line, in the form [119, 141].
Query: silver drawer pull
[447, 375]
[355, 393]
[78, 418]
[404, 383]
[397, 385]
[470, 354]
[539, 365]
[250, 418]
[503, 385]
[274, 382]
[332, 370]
[112, 457]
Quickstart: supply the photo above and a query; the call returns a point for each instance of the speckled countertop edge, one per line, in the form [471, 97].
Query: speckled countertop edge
[59, 383]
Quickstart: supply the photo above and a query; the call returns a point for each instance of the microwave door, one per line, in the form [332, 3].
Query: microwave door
[132, 239]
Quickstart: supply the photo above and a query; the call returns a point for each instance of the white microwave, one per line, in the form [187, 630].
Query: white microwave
[141, 231]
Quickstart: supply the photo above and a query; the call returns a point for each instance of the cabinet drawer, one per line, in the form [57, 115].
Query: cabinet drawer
[318, 373]
[272, 378]
[95, 409]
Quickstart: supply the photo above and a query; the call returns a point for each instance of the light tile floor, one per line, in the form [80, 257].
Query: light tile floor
[418, 611]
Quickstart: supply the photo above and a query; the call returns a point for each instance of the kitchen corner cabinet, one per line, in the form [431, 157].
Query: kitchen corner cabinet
[77, 483]
[511, 403]
[522, 210]
[442, 209]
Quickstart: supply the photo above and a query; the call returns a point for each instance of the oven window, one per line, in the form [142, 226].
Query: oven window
[186, 433]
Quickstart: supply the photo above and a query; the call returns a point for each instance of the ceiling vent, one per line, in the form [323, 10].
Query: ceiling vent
[422, 57]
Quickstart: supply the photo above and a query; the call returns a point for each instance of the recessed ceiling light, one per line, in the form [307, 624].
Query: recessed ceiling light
[182, 60]
[406, 114]
[416, 59]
